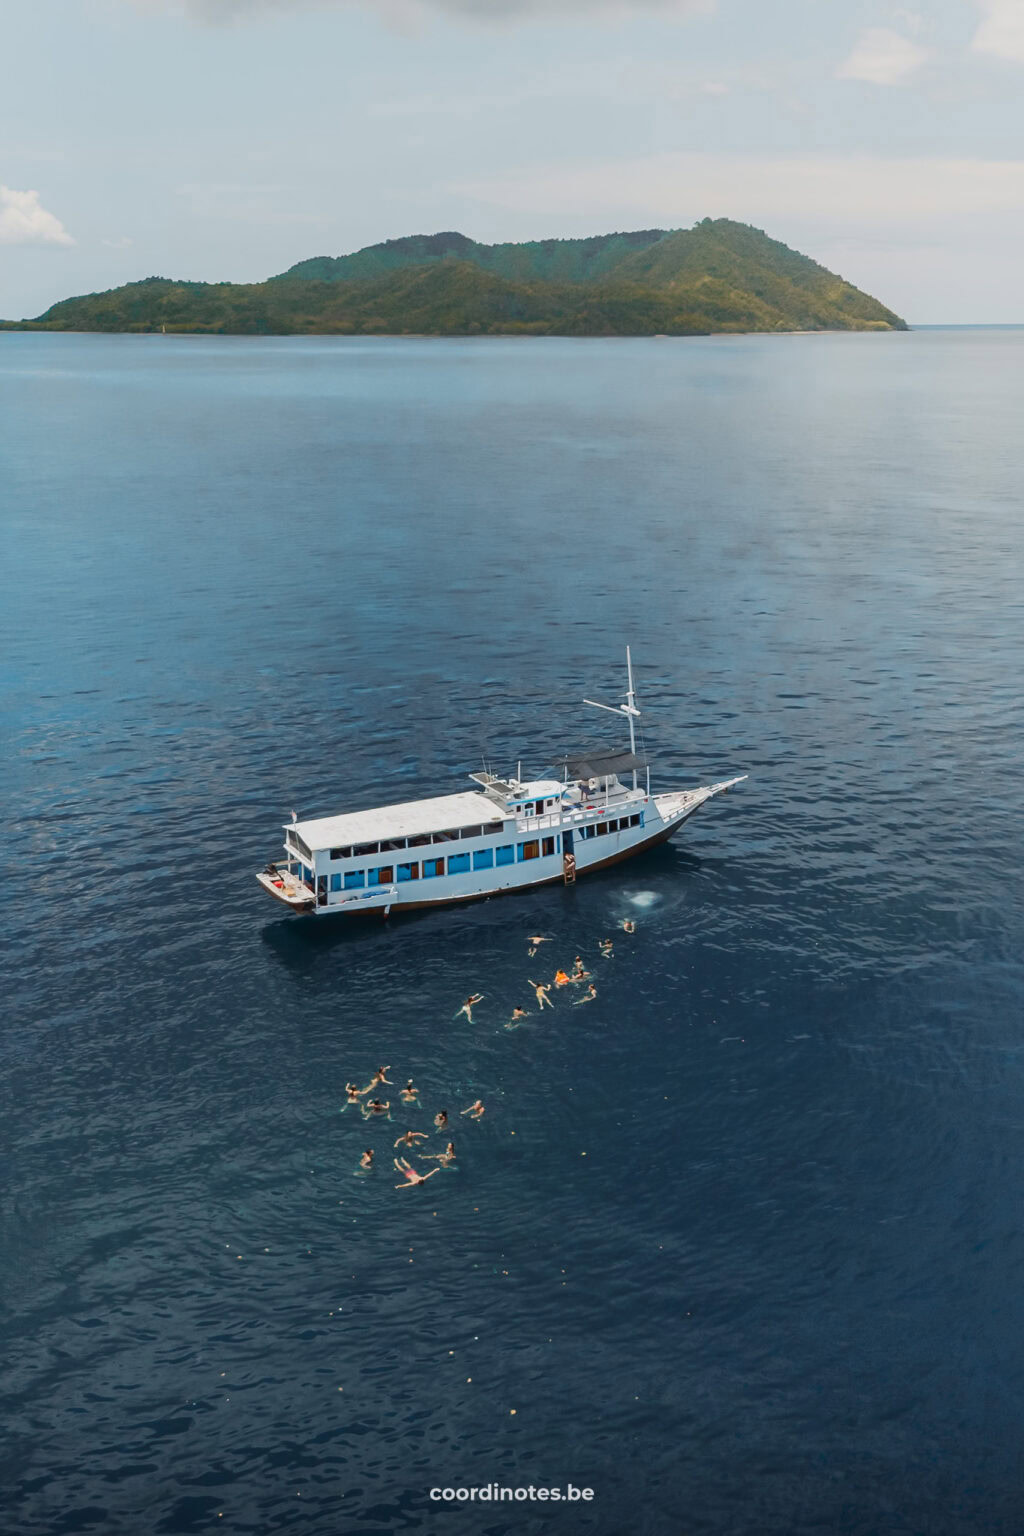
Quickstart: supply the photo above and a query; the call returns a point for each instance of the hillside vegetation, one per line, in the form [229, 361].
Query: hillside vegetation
[718, 276]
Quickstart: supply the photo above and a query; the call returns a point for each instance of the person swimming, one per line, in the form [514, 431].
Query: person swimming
[628, 925]
[561, 978]
[578, 973]
[409, 1093]
[441, 1119]
[380, 1076]
[588, 997]
[475, 1110]
[377, 1107]
[605, 947]
[410, 1175]
[517, 1015]
[445, 1158]
[470, 1004]
[366, 1161]
[534, 940]
[542, 992]
[410, 1138]
[354, 1093]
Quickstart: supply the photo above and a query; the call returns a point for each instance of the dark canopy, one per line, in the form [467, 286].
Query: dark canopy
[601, 762]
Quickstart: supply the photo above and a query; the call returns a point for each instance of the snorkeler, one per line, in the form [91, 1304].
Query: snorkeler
[410, 1138]
[409, 1094]
[534, 940]
[366, 1161]
[445, 1158]
[441, 1120]
[476, 1110]
[542, 992]
[628, 925]
[469, 1004]
[588, 997]
[377, 1107]
[410, 1175]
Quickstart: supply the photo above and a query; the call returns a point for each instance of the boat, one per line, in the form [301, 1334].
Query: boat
[508, 834]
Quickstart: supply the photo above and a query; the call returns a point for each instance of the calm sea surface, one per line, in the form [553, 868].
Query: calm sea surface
[740, 1246]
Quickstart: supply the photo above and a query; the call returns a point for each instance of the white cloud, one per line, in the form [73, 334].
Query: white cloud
[409, 10]
[843, 191]
[882, 57]
[23, 221]
[1001, 30]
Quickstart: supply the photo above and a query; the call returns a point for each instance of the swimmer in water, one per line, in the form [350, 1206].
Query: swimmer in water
[561, 978]
[354, 1092]
[366, 1161]
[410, 1138]
[628, 925]
[542, 992]
[605, 947]
[578, 973]
[476, 1110]
[410, 1175]
[445, 1158]
[441, 1120]
[380, 1076]
[534, 940]
[376, 1107]
[409, 1093]
[469, 1005]
[588, 997]
[517, 1015]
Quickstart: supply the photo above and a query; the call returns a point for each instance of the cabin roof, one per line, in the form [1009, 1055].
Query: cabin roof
[596, 764]
[406, 820]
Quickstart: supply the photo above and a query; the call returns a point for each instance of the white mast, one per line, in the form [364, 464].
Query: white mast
[628, 709]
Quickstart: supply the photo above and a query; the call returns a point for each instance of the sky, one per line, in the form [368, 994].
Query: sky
[228, 139]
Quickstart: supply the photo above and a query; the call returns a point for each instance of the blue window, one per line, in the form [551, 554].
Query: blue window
[529, 850]
[355, 879]
[335, 882]
[505, 855]
[432, 868]
[383, 876]
[484, 859]
[408, 872]
[457, 863]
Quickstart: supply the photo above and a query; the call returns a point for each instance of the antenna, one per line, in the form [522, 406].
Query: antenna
[628, 709]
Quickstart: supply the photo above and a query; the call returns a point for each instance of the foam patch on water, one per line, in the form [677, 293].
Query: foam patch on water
[643, 898]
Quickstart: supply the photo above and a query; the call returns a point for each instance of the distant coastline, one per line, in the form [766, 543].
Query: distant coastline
[719, 277]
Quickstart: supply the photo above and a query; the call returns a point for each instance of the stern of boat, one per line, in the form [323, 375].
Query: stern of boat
[284, 886]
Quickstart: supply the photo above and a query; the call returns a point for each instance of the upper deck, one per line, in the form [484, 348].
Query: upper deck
[410, 819]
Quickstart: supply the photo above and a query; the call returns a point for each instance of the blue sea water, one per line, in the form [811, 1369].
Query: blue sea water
[739, 1247]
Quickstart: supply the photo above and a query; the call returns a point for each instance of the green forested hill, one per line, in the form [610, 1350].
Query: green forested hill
[718, 276]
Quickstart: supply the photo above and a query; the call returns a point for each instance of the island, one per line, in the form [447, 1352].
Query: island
[718, 276]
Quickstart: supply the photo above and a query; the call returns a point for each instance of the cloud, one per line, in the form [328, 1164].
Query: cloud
[882, 57]
[399, 10]
[1002, 29]
[857, 191]
[23, 221]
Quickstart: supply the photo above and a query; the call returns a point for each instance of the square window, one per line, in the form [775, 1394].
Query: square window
[548, 846]
[341, 853]
[408, 872]
[458, 863]
[601, 830]
[505, 854]
[484, 859]
[355, 879]
[432, 868]
[335, 882]
[529, 850]
[383, 876]
[362, 849]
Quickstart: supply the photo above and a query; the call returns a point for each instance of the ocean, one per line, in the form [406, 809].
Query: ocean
[738, 1248]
